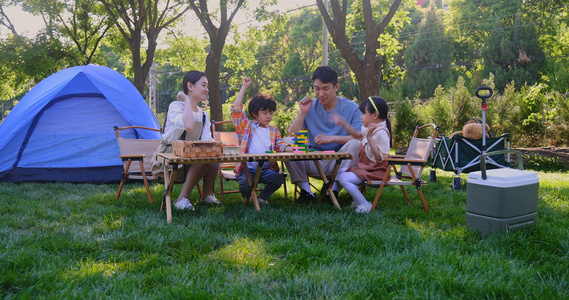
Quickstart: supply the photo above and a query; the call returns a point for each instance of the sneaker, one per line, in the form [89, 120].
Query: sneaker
[354, 204]
[305, 198]
[363, 208]
[211, 200]
[328, 199]
[184, 204]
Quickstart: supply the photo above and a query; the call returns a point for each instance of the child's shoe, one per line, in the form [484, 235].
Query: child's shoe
[184, 204]
[363, 208]
[211, 200]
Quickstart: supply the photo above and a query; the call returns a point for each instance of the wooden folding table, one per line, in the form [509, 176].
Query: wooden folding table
[169, 159]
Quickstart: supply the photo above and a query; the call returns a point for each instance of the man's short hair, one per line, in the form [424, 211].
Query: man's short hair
[261, 102]
[326, 75]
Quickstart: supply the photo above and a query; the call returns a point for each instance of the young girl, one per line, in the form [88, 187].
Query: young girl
[376, 141]
[186, 121]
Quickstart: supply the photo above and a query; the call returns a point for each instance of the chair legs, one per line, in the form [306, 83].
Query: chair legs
[125, 177]
[405, 194]
[145, 182]
[221, 186]
[417, 184]
[423, 199]
[377, 196]
[284, 185]
[200, 190]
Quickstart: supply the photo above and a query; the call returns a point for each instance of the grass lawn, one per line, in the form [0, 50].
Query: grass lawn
[63, 240]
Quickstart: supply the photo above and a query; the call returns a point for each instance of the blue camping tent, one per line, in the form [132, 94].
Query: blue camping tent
[62, 129]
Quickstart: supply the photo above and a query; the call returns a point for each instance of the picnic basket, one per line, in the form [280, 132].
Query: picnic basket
[196, 148]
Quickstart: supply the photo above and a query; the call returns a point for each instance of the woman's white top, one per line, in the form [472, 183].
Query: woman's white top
[175, 125]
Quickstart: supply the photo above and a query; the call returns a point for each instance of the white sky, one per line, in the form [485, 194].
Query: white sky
[29, 25]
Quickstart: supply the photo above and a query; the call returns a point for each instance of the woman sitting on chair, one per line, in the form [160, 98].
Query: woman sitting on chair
[186, 121]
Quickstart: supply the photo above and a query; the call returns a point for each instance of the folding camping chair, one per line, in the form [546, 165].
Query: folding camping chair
[412, 164]
[226, 170]
[140, 150]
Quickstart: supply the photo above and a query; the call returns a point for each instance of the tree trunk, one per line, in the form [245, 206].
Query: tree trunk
[213, 64]
[139, 77]
[367, 70]
[369, 78]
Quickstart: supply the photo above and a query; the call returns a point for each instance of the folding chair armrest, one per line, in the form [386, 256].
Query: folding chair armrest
[132, 156]
[400, 161]
[396, 156]
[436, 129]
[117, 129]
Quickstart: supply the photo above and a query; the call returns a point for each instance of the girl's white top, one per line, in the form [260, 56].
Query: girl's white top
[381, 139]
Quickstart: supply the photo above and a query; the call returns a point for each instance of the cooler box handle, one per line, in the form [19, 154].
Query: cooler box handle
[483, 159]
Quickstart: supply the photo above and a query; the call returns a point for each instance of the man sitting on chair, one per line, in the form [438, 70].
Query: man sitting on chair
[323, 134]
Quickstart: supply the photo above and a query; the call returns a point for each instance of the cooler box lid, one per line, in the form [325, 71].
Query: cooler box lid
[504, 178]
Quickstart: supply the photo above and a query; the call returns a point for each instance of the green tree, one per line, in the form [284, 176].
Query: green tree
[217, 38]
[279, 57]
[140, 23]
[428, 60]
[85, 23]
[513, 53]
[26, 61]
[368, 68]
[182, 53]
[470, 22]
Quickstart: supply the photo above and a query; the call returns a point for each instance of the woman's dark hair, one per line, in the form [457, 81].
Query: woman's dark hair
[192, 77]
[326, 75]
[382, 110]
[261, 102]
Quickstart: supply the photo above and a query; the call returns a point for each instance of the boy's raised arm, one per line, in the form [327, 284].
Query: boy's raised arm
[245, 85]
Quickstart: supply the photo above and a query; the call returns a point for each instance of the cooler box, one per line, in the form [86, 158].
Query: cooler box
[505, 200]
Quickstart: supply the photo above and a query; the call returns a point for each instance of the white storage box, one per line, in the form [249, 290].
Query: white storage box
[505, 200]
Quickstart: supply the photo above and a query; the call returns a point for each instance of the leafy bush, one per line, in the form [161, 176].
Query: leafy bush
[504, 113]
[558, 129]
[540, 163]
[533, 116]
[463, 105]
[284, 116]
[405, 121]
[438, 110]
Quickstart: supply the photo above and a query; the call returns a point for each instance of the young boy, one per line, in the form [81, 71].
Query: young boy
[257, 136]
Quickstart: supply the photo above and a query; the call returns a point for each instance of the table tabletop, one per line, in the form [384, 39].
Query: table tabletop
[279, 156]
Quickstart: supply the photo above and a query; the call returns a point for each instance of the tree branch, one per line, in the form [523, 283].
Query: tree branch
[381, 27]
[203, 14]
[7, 23]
